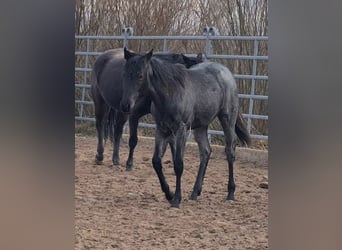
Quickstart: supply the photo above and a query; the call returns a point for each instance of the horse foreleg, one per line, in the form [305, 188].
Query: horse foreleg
[141, 108]
[159, 150]
[120, 121]
[133, 140]
[178, 164]
[201, 137]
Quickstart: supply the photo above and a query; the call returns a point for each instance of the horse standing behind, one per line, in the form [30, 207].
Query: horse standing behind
[183, 99]
[106, 92]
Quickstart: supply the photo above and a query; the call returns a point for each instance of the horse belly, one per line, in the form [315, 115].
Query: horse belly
[204, 116]
[205, 110]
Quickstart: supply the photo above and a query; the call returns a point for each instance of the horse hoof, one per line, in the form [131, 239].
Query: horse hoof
[193, 197]
[129, 167]
[170, 196]
[98, 159]
[116, 163]
[98, 162]
[173, 205]
[230, 197]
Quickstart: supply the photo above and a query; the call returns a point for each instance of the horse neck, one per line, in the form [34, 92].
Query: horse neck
[167, 110]
[158, 96]
[164, 92]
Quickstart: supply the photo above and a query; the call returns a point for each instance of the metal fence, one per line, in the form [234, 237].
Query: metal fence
[86, 70]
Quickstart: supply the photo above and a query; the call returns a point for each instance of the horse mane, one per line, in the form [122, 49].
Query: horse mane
[167, 55]
[169, 76]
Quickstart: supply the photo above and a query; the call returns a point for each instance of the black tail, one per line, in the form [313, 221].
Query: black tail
[241, 131]
[109, 125]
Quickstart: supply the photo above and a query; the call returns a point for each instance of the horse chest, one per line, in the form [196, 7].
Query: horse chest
[168, 127]
[168, 123]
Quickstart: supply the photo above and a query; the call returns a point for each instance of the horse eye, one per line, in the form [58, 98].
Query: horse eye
[140, 77]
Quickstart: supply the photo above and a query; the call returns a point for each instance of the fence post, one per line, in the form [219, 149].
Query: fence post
[209, 31]
[126, 32]
[251, 101]
[85, 76]
[165, 45]
[207, 46]
[125, 40]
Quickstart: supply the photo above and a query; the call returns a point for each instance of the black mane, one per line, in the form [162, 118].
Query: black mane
[169, 76]
[169, 57]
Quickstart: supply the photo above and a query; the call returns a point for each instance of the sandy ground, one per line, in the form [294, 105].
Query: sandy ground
[116, 209]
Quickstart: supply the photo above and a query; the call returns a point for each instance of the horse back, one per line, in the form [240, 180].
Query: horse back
[114, 56]
[213, 89]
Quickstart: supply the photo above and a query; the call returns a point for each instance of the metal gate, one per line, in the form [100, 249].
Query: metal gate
[85, 70]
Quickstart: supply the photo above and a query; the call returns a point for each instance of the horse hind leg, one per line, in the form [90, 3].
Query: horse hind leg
[142, 108]
[228, 125]
[201, 137]
[101, 112]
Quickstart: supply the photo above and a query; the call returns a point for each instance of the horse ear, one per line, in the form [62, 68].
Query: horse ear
[128, 54]
[185, 58]
[199, 56]
[149, 55]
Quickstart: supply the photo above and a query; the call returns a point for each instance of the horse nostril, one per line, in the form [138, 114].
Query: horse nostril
[125, 107]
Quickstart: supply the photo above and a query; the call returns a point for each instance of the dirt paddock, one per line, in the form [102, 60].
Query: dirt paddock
[116, 209]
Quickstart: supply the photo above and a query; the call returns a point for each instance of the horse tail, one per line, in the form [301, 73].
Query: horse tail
[241, 131]
[109, 118]
[109, 125]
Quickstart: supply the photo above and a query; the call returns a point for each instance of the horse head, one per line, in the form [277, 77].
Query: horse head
[134, 78]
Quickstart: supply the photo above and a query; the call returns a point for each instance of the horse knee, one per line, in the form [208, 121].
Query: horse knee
[118, 129]
[133, 140]
[208, 152]
[230, 152]
[98, 125]
[156, 162]
[178, 167]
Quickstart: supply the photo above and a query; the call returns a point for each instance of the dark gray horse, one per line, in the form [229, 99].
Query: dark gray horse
[185, 99]
[107, 93]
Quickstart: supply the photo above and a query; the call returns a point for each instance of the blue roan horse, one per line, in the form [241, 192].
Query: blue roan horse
[182, 99]
[107, 93]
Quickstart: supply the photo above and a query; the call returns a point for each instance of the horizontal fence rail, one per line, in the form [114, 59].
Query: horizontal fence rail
[86, 70]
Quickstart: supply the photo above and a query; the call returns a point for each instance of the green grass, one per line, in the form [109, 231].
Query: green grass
[85, 128]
